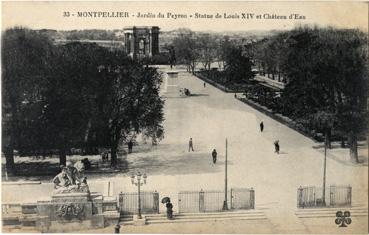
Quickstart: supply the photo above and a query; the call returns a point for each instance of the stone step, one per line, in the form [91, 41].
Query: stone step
[164, 220]
[329, 215]
[243, 212]
[198, 217]
[111, 214]
[329, 212]
[179, 216]
[126, 219]
[238, 212]
[204, 219]
[333, 209]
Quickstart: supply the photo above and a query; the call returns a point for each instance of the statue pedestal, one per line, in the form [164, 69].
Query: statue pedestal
[171, 84]
[70, 212]
[70, 197]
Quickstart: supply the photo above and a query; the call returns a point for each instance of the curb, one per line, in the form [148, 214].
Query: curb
[20, 182]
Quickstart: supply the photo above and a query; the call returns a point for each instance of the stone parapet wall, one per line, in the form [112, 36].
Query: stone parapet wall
[63, 213]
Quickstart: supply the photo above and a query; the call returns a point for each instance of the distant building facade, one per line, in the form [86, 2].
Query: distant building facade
[141, 42]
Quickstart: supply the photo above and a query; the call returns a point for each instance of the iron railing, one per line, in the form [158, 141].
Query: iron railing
[311, 196]
[212, 200]
[128, 202]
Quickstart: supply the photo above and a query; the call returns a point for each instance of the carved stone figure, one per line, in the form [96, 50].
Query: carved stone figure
[71, 180]
[62, 180]
[70, 211]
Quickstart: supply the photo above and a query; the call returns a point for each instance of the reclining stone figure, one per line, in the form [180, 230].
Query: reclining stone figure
[71, 180]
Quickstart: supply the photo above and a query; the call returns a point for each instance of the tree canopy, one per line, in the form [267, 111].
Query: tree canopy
[77, 95]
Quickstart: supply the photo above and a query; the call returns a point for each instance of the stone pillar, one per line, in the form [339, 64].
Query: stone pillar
[155, 40]
[135, 43]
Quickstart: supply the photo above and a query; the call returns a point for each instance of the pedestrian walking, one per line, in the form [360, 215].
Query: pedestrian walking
[169, 207]
[204, 84]
[190, 145]
[276, 146]
[130, 146]
[214, 155]
[261, 126]
[235, 95]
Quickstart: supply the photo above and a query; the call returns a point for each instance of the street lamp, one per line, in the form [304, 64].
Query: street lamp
[225, 206]
[138, 183]
[324, 170]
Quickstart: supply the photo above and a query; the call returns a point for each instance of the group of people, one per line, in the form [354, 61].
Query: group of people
[184, 92]
[276, 143]
[214, 152]
[71, 178]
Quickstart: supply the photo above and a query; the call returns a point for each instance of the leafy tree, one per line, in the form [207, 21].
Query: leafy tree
[238, 66]
[223, 50]
[78, 95]
[327, 69]
[25, 61]
[187, 49]
[133, 103]
[69, 95]
[208, 49]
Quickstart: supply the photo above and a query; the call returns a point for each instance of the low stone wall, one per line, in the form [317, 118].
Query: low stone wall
[276, 116]
[44, 189]
[63, 213]
[220, 87]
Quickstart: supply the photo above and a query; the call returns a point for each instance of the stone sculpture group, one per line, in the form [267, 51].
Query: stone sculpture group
[71, 179]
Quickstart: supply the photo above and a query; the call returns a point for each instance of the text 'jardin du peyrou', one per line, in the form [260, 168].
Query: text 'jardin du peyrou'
[175, 16]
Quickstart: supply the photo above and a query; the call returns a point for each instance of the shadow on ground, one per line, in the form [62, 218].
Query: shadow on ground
[199, 95]
[45, 170]
[176, 163]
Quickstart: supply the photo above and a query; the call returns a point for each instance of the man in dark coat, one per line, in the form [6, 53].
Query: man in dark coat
[169, 207]
[276, 146]
[130, 146]
[261, 126]
[214, 155]
[190, 145]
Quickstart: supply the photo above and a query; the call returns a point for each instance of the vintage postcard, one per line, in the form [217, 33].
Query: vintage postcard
[202, 117]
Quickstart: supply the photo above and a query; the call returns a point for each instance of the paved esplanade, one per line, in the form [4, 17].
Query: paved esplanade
[209, 116]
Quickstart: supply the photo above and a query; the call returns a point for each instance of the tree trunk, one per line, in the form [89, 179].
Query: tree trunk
[353, 147]
[9, 157]
[342, 142]
[62, 156]
[87, 132]
[328, 137]
[113, 156]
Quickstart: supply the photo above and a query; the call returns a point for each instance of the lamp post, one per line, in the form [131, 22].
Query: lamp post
[225, 206]
[138, 183]
[325, 169]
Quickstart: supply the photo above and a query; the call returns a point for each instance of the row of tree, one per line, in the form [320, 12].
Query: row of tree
[193, 48]
[78, 95]
[325, 71]
[326, 75]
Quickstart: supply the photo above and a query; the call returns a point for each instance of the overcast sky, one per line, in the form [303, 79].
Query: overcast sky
[37, 15]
